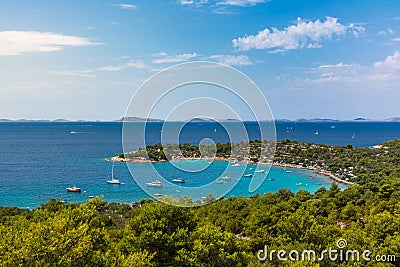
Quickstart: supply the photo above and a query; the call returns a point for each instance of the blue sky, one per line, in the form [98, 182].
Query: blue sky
[85, 59]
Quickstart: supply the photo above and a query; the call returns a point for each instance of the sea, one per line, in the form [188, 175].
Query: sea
[38, 160]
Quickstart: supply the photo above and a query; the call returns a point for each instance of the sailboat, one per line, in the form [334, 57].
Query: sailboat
[113, 181]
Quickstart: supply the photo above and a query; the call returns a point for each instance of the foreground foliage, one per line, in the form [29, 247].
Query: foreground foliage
[228, 232]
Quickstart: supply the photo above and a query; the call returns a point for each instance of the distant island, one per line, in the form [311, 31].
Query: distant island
[205, 120]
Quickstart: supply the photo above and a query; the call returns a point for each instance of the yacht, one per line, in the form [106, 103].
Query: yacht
[299, 184]
[236, 165]
[178, 180]
[226, 178]
[73, 189]
[155, 183]
[259, 171]
[113, 181]
[248, 175]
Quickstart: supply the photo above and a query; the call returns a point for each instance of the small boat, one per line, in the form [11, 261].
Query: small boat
[73, 189]
[288, 171]
[155, 183]
[179, 180]
[353, 136]
[259, 171]
[227, 178]
[113, 181]
[236, 165]
[220, 182]
[248, 175]
[158, 195]
[333, 126]
[299, 184]
[316, 133]
[271, 179]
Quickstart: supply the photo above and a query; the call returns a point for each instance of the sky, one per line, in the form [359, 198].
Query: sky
[311, 59]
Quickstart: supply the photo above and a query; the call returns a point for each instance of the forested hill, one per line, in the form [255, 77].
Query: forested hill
[228, 232]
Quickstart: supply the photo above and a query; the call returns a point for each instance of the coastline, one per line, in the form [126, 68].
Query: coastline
[283, 165]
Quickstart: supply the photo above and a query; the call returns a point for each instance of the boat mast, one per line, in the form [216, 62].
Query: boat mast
[112, 172]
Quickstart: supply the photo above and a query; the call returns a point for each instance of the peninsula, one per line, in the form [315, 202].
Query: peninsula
[344, 164]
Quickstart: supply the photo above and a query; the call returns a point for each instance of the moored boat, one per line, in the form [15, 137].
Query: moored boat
[73, 189]
[179, 180]
[113, 180]
[155, 183]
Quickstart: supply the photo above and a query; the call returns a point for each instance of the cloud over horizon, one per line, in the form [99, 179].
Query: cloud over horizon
[20, 42]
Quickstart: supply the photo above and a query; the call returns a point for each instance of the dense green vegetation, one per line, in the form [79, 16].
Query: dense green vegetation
[228, 232]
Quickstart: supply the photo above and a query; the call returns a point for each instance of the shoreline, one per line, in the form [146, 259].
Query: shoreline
[319, 170]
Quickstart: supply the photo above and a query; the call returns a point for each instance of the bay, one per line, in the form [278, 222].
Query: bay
[39, 160]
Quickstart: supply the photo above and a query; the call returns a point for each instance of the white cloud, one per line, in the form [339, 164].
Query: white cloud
[165, 58]
[390, 64]
[81, 73]
[383, 74]
[386, 32]
[241, 60]
[19, 42]
[297, 36]
[185, 2]
[138, 64]
[338, 65]
[160, 54]
[126, 6]
[396, 39]
[240, 2]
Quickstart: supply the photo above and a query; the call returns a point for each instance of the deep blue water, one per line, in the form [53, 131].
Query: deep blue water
[39, 160]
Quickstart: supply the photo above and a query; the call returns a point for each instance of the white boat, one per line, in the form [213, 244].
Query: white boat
[178, 180]
[158, 195]
[259, 171]
[73, 189]
[299, 184]
[248, 175]
[155, 183]
[226, 178]
[236, 165]
[113, 181]
[316, 133]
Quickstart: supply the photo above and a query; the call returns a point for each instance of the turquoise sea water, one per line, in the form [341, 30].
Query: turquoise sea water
[39, 160]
